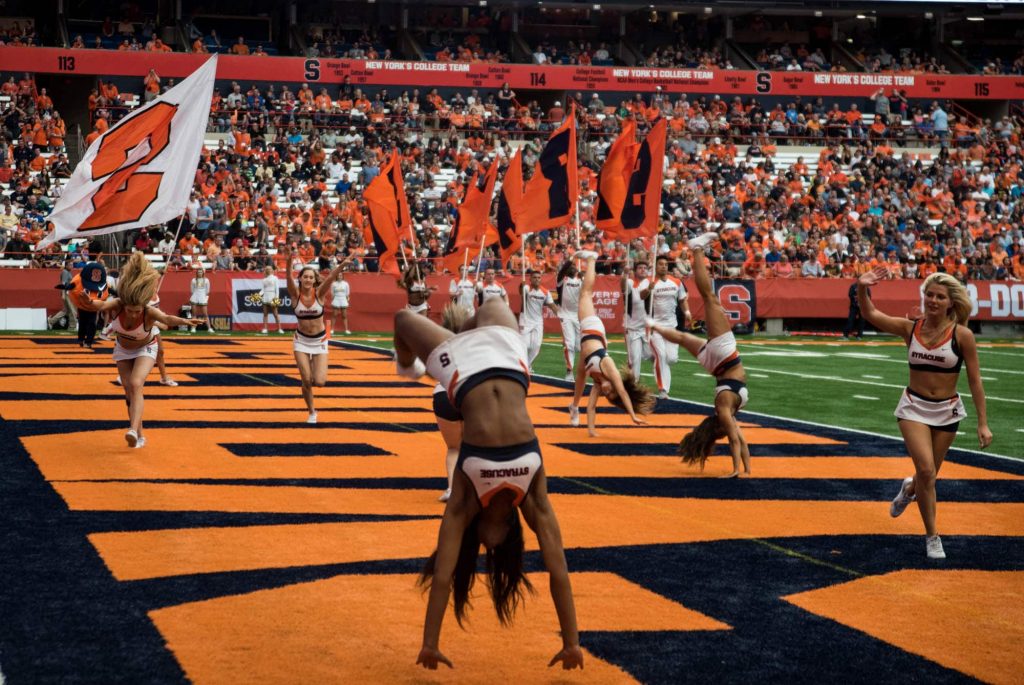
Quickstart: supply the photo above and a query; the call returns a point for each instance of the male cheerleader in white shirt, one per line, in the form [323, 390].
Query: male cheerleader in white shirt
[634, 318]
[665, 294]
[531, 320]
[569, 283]
[489, 288]
[463, 291]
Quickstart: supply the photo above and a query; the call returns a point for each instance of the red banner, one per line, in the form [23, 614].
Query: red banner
[375, 298]
[521, 76]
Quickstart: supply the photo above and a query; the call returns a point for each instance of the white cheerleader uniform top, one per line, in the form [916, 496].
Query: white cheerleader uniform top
[945, 357]
[464, 361]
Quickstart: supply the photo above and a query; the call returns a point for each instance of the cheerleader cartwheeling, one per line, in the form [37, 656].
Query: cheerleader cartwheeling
[621, 390]
[311, 340]
[137, 335]
[499, 474]
[718, 355]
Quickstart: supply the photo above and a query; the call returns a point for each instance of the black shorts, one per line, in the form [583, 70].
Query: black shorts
[443, 409]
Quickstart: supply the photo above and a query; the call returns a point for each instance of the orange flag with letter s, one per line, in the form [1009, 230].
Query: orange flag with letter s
[551, 193]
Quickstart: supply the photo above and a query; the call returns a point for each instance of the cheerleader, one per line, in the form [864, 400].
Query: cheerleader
[568, 288]
[271, 298]
[720, 358]
[416, 289]
[200, 298]
[930, 409]
[136, 335]
[311, 336]
[499, 473]
[624, 392]
[339, 300]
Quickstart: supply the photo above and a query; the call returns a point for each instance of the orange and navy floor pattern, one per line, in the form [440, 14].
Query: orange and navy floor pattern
[242, 545]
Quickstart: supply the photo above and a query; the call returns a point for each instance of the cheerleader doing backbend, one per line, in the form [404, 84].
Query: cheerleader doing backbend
[719, 356]
[930, 409]
[499, 473]
[137, 335]
[621, 390]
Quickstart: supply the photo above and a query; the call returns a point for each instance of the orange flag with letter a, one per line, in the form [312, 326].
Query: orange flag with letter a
[551, 193]
[613, 180]
[642, 207]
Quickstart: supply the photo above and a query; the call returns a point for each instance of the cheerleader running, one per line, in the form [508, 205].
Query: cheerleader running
[311, 336]
[499, 473]
[416, 289]
[930, 409]
[136, 335]
[719, 356]
[624, 392]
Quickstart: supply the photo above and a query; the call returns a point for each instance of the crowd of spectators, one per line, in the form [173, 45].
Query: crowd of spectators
[859, 203]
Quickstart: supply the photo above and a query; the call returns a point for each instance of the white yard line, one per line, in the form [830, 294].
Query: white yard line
[867, 375]
[865, 397]
[879, 358]
[760, 375]
[985, 350]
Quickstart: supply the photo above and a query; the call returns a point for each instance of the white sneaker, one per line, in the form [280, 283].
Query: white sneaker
[902, 499]
[348, 332]
[933, 547]
[570, 376]
[263, 332]
[311, 418]
[141, 443]
[703, 240]
[192, 329]
[169, 382]
[280, 330]
[445, 495]
[132, 438]
[574, 415]
[586, 254]
[663, 395]
[118, 380]
[415, 371]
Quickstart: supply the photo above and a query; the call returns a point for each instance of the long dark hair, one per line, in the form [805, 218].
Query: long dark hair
[503, 565]
[639, 394]
[697, 445]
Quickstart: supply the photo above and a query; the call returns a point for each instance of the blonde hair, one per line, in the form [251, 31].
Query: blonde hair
[454, 317]
[960, 311]
[138, 282]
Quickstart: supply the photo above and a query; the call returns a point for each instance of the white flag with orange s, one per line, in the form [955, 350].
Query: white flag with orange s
[141, 171]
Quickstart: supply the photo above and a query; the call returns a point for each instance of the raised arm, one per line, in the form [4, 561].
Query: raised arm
[541, 518]
[896, 325]
[170, 320]
[965, 338]
[293, 288]
[325, 287]
[108, 305]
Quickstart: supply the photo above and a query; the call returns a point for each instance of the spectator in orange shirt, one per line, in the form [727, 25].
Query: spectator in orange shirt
[240, 48]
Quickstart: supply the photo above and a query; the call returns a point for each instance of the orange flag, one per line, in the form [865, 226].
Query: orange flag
[470, 220]
[642, 209]
[614, 178]
[551, 193]
[388, 214]
[509, 200]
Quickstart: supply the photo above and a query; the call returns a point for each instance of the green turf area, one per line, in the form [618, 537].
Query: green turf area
[847, 384]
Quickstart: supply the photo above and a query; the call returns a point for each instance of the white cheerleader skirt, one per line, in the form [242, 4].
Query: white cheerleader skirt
[417, 308]
[941, 414]
[150, 349]
[202, 300]
[339, 303]
[307, 344]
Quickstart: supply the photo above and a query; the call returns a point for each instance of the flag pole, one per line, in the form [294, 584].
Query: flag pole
[176, 232]
[480, 257]
[415, 259]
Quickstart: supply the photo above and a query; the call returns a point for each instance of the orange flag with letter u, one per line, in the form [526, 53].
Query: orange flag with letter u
[140, 172]
[551, 193]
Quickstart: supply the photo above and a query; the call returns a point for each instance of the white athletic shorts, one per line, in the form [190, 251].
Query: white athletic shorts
[467, 359]
[339, 303]
[592, 326]
[306, 344]
[717, 352]
[148, 350]
[935, 413]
